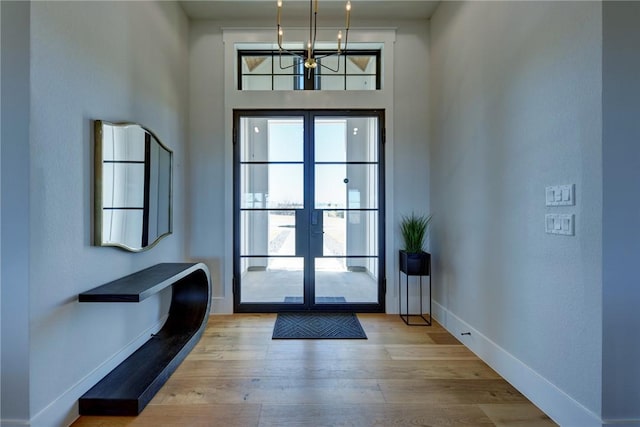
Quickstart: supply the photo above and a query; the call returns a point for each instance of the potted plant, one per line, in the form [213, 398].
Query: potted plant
[413, 260]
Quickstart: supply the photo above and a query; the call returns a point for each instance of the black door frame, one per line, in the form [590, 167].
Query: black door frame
[309, 129]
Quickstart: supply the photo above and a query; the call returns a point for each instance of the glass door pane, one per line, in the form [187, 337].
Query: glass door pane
[271, 192]
[346, 269]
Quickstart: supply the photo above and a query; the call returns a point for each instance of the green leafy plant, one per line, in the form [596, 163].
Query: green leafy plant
[414, 230]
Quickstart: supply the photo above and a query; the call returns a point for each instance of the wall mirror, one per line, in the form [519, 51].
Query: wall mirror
[132, 187]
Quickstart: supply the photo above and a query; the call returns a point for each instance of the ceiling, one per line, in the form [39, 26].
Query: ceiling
[297, 9]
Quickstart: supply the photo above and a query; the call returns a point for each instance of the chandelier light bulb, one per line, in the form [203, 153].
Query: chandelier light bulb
[279, 10]
[348, 14]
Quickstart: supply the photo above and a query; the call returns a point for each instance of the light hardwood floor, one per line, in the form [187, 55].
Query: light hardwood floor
[400, 376]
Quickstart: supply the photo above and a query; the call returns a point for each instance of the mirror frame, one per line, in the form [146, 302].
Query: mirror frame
[98, 186]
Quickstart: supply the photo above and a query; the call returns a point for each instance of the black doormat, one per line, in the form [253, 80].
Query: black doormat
[318, 326]
[319, 300]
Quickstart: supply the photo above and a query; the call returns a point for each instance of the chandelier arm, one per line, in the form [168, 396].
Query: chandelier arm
[330, 54]
[342, 51]
[346, 40]
[288, 52]
[331, 69]
[345, 66]
[337, 69]
[295, 55]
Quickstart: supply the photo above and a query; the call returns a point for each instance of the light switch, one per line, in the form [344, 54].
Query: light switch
[550, 195]
[559, 224]
[560, 195]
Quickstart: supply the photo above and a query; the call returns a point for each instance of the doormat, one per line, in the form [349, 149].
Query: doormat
[318, 326]
[319, 300]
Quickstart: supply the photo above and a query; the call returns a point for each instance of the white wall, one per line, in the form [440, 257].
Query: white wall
[0, 213]
[409, 166]
[115, 61]
[516, 106]
[621, 235]
[212, 98]
[207, 160]
[410, 106]
[15, 205]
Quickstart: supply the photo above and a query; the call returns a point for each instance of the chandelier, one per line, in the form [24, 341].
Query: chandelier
[311, 60]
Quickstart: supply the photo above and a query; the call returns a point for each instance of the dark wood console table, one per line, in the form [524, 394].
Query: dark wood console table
[128, 388]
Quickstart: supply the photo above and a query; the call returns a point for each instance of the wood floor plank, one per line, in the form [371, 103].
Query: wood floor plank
[192, 368]
[430, 352]
[238, 376]
[242, 415]
[389, 369]
[331, 368]
[382, 415]
[450, 392]
[516, 415]
[249, 354]
[334, 350]
[396, 338]
[231, 338]
[269, 390]
[371, 322]
[443, 338]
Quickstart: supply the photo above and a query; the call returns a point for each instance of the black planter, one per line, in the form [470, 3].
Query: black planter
[415, 264]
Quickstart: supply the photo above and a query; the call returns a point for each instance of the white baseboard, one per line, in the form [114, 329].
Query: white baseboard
[621, 423]
[14, 423]
[558, 405]
[64, 410]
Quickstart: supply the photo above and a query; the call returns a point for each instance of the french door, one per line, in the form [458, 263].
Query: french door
[308, 209]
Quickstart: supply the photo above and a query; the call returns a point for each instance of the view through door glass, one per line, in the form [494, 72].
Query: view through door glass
[346, 203]
[307, 198]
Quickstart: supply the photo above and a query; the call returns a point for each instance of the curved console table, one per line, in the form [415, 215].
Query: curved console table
[128, 388]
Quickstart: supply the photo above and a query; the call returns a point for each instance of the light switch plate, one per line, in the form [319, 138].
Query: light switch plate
[560, 195]
[562, 224]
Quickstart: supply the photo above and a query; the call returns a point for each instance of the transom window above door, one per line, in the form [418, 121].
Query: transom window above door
[270, 70]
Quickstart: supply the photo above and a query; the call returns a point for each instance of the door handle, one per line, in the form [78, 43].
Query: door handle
[314, 218]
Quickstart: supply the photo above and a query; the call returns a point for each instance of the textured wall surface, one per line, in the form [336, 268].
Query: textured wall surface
[516, 106]
[91, 60]
[621, 234]
[15, 205]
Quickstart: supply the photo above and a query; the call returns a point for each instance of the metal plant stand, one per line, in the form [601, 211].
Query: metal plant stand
[405, 316]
